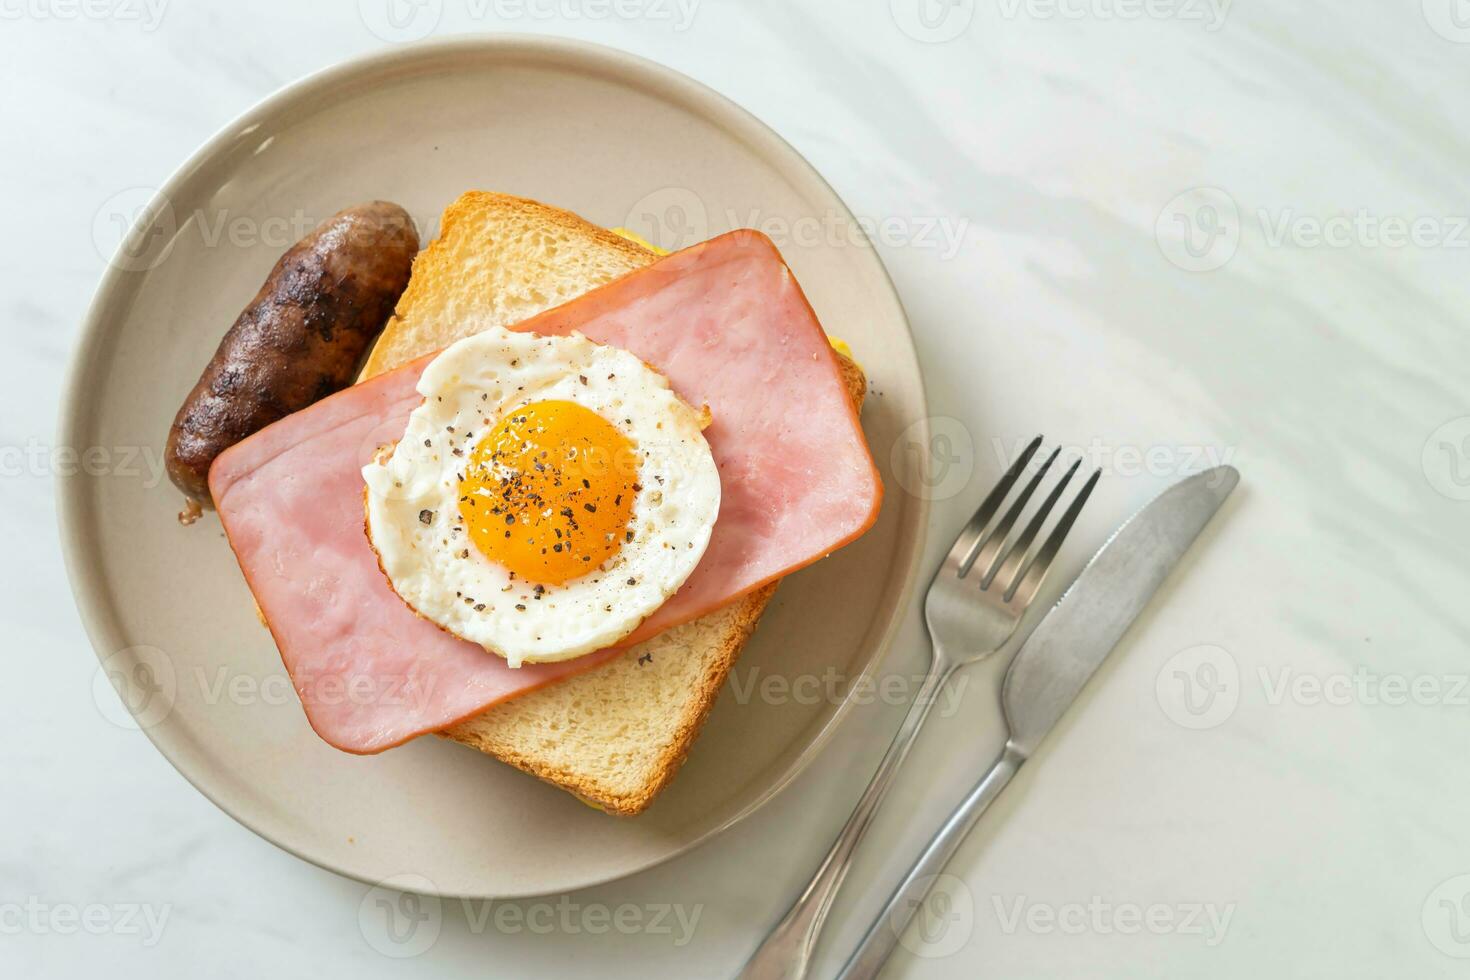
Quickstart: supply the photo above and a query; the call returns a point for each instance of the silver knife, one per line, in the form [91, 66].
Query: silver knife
[1053, 666]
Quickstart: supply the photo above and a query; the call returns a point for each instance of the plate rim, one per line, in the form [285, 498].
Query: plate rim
[86, 581]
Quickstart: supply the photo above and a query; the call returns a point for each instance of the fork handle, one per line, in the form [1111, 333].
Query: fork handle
[786, 951]
[885, 932]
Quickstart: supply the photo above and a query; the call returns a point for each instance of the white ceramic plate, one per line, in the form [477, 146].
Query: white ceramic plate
[614, 138]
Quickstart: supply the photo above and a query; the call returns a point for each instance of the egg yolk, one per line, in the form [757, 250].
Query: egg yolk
[548, 492]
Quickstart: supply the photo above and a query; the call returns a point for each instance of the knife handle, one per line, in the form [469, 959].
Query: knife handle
[883, 935]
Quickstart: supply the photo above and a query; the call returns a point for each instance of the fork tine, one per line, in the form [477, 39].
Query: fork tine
[973, 536]
[997, 539]
[1028, 580]
[1006, 572]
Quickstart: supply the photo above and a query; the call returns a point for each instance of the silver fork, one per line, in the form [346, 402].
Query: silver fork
[973, 606]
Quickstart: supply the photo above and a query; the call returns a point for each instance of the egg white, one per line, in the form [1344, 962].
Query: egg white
[413, 492]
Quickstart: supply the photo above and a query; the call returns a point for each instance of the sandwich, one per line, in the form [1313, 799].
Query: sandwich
[595, 677]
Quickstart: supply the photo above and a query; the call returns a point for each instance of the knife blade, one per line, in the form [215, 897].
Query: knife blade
[1051, 669]
[1074, 638]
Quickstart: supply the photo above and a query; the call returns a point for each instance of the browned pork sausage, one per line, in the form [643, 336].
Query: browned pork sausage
[300, 339]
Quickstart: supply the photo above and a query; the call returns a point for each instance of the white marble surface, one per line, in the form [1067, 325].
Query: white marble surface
[1319, 341]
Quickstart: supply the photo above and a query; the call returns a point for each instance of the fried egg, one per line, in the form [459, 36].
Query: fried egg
[547, 495]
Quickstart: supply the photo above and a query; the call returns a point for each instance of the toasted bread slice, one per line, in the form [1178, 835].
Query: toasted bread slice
[616, 734]
[498, 260]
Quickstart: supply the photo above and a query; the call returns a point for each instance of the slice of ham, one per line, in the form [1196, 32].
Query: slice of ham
[728, 325]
